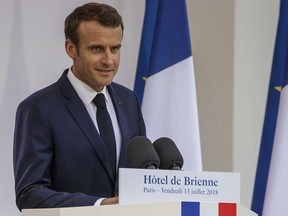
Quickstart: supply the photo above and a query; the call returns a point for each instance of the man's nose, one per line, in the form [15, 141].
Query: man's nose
[107, 57]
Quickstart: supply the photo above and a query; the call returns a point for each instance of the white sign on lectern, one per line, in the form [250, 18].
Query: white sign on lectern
[146, 186]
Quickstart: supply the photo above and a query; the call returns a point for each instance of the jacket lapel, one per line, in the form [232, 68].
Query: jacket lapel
[119, 105]
[83, 119]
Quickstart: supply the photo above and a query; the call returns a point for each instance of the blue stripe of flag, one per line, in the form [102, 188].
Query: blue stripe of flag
[171, 42]
[145, 47]
[165, 39]
[286, 63]
[277, 78]
[190, 209]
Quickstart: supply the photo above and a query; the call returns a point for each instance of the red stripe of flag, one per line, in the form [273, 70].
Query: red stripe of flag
[227, 209]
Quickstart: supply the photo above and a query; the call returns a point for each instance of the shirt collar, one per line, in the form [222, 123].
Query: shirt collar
[85, 92]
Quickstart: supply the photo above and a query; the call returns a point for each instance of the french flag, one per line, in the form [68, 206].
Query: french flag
[211, 209]
[165, 82]
[271, 183]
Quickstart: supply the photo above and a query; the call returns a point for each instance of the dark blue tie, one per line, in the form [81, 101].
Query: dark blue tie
[106, 129]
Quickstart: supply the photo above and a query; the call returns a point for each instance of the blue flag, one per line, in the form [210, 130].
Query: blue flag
[271, 188]
[165, 81]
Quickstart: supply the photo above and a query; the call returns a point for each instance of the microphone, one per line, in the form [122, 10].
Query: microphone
[142, 154]
[169, 154]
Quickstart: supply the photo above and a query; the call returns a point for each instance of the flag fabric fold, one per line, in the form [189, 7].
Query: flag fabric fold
[165, 82]
[271, 188]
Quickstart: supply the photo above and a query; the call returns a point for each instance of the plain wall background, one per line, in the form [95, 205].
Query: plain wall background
[232, 45]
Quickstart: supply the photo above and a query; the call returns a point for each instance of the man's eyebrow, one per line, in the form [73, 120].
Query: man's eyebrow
[118, 45]
[95, 46]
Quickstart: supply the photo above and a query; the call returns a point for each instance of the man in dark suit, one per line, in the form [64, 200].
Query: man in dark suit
[60, 159]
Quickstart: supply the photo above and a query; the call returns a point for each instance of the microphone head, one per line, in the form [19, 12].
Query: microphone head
[169, 154]
[142, 154]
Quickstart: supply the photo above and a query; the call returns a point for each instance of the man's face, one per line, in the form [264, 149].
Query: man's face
[98, 56]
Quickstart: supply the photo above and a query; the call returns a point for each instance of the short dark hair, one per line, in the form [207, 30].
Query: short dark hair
[102, 13]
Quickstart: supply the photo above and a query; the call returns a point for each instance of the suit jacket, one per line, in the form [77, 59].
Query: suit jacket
[59, 158]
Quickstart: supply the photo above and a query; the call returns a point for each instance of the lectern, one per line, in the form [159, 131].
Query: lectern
[149, 209]
[145, 192]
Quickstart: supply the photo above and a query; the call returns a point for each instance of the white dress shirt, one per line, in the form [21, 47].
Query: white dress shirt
[87, 94]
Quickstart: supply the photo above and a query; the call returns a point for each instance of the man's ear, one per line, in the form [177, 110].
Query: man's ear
[70, 48]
